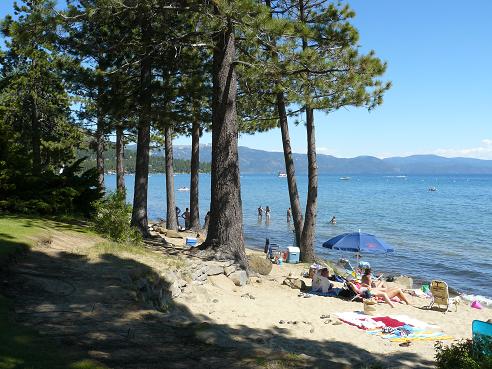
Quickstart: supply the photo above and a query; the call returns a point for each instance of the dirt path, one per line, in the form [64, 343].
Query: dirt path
[91, 306]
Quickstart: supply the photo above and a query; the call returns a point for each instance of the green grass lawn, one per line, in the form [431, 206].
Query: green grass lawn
[21, 347]
[17, 233]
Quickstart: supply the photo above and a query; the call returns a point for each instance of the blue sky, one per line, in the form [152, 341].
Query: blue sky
[439, 55]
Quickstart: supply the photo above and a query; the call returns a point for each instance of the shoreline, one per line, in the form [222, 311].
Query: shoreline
[486, 301]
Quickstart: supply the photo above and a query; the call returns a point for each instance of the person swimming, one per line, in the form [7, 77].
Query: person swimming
[333, 220]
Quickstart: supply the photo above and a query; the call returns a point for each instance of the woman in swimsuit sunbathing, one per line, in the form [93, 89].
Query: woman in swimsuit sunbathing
[367, 280]
[385, 293]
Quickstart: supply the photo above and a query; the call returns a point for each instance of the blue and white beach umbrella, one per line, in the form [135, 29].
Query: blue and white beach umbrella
[358, 242]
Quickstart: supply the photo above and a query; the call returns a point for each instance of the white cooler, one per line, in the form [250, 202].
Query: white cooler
[294, 254]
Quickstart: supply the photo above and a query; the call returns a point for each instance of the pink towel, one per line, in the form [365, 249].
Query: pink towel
[389, 322]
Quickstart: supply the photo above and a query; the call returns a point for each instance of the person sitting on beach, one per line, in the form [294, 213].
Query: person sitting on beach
[321, 283]
[367, 280]
[333, 220]
[385, 293]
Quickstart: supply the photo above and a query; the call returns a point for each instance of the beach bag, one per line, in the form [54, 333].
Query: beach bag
[369, 306]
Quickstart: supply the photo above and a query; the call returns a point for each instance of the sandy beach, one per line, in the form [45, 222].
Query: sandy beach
[111, 301]
[276, 316]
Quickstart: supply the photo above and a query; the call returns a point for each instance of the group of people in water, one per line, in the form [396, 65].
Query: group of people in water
[186, 217]
[289, 215]
[267, 213]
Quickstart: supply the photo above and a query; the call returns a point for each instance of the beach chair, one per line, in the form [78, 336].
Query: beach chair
[344, 267]
[482, 337]
[356, 293]
[440, 294]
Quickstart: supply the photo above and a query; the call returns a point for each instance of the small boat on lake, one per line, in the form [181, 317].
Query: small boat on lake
[183, 189]
[282, 175]
[432, 189]
[344, 178]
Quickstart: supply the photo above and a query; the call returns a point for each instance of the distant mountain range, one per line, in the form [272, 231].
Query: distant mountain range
[259, 161]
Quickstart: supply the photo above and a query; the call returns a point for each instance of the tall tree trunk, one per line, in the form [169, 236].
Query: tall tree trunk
[35, 138]
[171, 220]
[120, 158]
[289, 161]
[195, 169]
[99, 153]
[290, 169]
[139, 213]
[309, 229]
[100, 132]
[225, 231]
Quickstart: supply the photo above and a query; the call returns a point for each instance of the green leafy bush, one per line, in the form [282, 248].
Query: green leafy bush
[460, 356]
[112, 218]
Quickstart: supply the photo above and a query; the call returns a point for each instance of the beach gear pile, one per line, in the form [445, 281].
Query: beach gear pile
[396, 328]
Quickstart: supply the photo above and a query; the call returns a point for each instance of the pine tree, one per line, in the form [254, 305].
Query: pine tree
[38, 173]
[196, 89]
[310, 61]
[35, 105]
[227, 20]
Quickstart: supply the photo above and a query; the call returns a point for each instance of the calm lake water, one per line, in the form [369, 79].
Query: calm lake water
[436, 235]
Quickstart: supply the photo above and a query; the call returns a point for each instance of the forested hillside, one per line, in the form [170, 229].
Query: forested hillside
[157, 163]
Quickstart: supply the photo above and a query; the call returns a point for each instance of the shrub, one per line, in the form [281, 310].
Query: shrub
[460, 356]
[112, 218]
[51, 192]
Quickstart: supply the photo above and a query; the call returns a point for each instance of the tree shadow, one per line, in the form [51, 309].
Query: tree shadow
[10, 249]
[96, 308]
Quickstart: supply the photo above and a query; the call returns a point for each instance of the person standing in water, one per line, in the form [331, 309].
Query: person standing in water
[267, 214]
[260, 212]
[178, 212]
[289, 215]
[333, 220]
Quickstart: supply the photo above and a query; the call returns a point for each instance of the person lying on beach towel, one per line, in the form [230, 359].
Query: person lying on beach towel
[385, 293]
